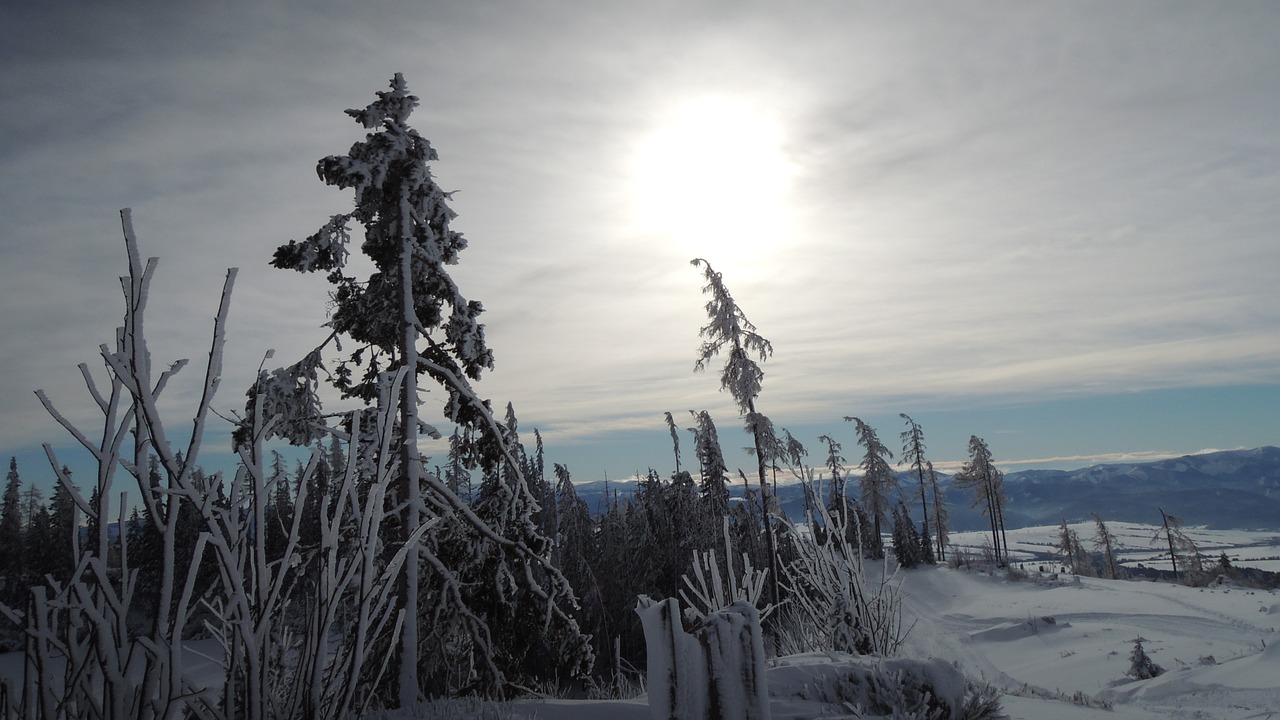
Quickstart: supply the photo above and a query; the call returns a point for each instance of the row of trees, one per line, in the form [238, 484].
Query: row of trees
[35, 536]
[1185, 557]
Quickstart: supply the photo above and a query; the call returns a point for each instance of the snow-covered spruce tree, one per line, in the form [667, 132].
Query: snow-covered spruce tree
[713, 486]
[1074, 557]
[878, 480]
[1182, 549]
[1105, 541]
[1141, 666]
[410, 314]
[1066, 547]
[728, 328]
[675, 438]
[837, 500]
[940, 515]
[913, 454]
[986, 482]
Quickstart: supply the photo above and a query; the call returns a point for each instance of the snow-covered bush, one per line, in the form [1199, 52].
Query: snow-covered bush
[710, 590]
[832, 590]
[819, 685]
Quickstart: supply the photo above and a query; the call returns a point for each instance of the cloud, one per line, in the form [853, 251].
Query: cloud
[1074, 200]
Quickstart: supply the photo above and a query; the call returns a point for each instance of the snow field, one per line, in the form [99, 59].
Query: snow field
[1039, 545]
[1050, 637]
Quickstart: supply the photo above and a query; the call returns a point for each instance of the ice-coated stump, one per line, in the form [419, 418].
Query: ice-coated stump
[715, 673]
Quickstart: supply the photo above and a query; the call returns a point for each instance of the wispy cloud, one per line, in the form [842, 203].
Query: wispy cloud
[1078, 201]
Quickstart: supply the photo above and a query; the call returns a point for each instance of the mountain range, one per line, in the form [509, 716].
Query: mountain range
[1232, 489]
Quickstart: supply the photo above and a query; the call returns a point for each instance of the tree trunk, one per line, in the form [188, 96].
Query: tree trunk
[407, 690]
[764, 506]
[1173, 556]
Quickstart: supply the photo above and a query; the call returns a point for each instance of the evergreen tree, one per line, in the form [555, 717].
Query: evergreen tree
[64, 524]
[901, 548]
[837, 500]
[980, 475]
[1141, 666]
[1224, 565]
[940, 515]
[878, 479]
[280, 512]
[409, 296]
[728, 327]
[1074, 556]
[675, 438]
[38, 546]
[1105, 541]
[713, 487]
[11, 529]
[1182, 549]
[1064, 544]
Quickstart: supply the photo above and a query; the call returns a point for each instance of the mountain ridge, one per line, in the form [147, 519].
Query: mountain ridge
[1228, 489]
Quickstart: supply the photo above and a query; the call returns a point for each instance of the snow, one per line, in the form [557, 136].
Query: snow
[1057, 649]
[998, 630]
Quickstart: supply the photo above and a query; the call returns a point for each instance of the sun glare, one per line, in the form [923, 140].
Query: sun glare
[712, 178]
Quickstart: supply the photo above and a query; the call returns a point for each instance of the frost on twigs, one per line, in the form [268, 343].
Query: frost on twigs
[710, 591]
[832, 593]
[290, 399]
[296, 631]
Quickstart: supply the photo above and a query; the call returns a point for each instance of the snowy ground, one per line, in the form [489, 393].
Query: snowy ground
[1220, 647]
[1033, 545]
[1059, 648]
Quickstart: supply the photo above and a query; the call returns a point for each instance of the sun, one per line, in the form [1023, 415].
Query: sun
[712, 178]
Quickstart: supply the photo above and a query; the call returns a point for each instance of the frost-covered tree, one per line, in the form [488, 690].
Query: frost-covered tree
[1182, 549]
[878, 480]
[1074, 556]
[408, 313]
[675, 438]
[907, 546]
[713, 486]
[1105, 541]
[940, 517]
[729, 329]
[1141, 666]
[835, 465]
[913, 454]
[980, 476]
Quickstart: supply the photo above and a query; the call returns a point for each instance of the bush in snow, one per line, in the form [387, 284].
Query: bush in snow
[878, 688]
[831, 590]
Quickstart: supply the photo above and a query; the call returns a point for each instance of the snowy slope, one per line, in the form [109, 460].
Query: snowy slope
[1053, 638]
[1059, 649]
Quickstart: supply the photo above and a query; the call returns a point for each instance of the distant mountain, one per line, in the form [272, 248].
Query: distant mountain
[1230, 489]
[1238, 489]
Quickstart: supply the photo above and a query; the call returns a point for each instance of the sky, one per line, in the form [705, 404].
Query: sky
[1049, 225]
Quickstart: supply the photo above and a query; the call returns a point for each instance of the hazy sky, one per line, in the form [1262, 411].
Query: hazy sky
[1052, 225]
